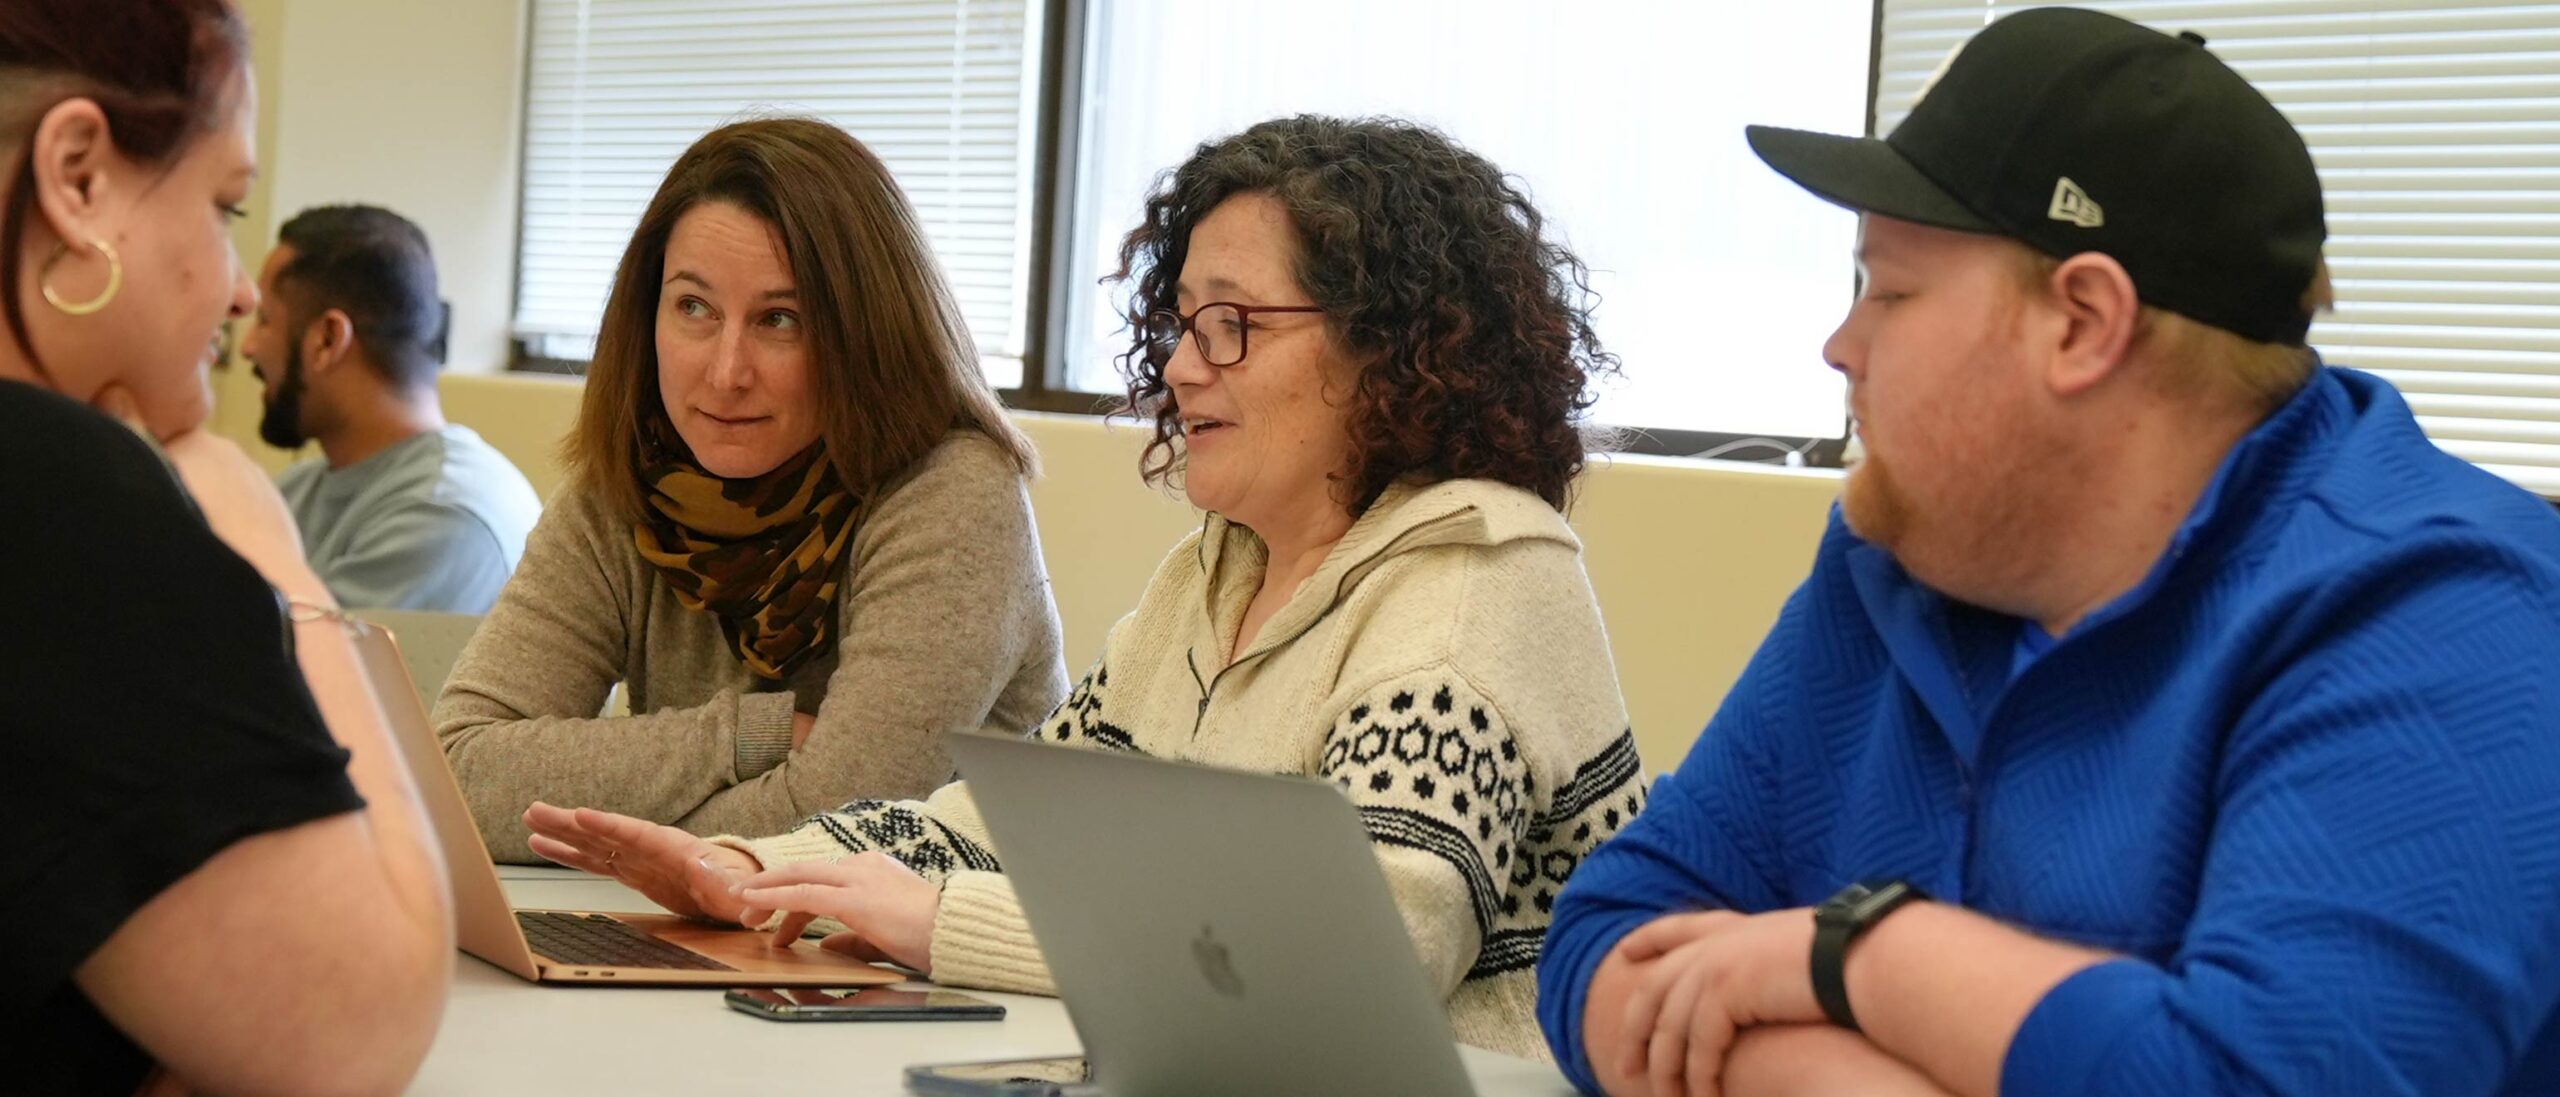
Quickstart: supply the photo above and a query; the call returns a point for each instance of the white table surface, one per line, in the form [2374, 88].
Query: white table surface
[503, 1035]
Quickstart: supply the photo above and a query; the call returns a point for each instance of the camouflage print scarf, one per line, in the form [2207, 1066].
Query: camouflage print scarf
[766, 556]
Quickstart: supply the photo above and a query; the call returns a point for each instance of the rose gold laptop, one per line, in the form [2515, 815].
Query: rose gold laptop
[567, 946]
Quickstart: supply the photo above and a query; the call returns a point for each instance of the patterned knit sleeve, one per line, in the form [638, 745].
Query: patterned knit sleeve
[920, 833]
[941, 834]
[1444, 791]
[1713, 837]
[980, 937]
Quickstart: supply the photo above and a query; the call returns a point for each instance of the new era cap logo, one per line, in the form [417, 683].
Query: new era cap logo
[2074, 206]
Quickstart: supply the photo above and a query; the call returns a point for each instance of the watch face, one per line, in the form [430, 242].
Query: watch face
[1862, 902]
[1877, 901]
[1845, 905]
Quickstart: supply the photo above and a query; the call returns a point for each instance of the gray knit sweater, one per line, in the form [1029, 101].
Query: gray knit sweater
[947, 625]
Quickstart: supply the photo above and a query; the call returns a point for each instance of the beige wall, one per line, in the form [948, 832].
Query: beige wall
[1691, 559]
[266, 60]
[235, 415]
[413, 106]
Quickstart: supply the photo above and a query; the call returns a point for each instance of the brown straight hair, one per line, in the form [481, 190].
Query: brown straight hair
[894, 368]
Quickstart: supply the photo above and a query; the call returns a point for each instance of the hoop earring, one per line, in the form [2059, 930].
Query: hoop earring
[115, 281]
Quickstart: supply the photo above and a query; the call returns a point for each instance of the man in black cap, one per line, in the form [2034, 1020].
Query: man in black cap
[2163, 715]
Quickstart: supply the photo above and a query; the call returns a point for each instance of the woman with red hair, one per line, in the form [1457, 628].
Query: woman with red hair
[216, 863]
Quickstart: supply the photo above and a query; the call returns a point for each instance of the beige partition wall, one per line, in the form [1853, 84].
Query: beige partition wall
[1691, 559]
[407, 105]
[235, 394]
[415, 107]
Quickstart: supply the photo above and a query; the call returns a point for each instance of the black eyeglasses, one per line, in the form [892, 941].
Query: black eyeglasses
[1217, 328]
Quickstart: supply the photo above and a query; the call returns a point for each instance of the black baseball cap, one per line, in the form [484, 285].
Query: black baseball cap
[2075, 131]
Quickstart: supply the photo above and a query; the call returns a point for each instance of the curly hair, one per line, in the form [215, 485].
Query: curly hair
[1431, 265]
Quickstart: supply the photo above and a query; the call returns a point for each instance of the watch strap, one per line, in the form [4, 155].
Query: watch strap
[1831, 970]
[1837, 924]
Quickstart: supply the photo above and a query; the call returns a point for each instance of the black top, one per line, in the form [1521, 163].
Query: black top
[150, 715]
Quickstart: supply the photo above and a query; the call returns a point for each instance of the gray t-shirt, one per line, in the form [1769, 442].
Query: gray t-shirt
[436, 522]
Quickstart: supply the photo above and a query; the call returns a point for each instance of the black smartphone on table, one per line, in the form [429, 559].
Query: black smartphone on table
[861, 1004]
[1066, 1076]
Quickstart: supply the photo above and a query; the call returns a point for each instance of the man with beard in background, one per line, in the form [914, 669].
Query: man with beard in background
[402, 510]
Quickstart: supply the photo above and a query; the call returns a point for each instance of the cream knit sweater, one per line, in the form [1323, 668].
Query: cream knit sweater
[1445, 666]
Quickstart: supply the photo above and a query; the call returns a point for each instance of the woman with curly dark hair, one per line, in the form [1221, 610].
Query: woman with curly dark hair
[1363, 359]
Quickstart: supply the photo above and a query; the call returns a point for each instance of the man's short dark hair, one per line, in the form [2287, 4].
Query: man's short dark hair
[373, 265]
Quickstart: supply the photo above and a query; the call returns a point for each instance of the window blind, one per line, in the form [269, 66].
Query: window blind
[616, 89]
[2436, 128]
[1717, 280]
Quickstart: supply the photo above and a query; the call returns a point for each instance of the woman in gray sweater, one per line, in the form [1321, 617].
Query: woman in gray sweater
[796, 530]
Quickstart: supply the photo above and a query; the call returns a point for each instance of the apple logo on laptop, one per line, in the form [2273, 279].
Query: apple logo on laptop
[1215, 965]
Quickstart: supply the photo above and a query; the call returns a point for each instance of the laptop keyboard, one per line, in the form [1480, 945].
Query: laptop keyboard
[598, 941]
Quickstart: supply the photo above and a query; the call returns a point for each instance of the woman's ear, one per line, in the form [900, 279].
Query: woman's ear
[71, 162]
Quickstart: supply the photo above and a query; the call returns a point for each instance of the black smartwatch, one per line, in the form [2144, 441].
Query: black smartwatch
[1843, 918]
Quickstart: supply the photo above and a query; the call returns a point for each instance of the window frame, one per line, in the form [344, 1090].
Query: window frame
[1063, 48]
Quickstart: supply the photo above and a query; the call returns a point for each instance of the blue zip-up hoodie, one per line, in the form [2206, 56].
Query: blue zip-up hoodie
[2305, 777]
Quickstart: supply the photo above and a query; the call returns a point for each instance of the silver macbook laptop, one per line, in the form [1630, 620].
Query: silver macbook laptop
[1212, 931]
[569, 946]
